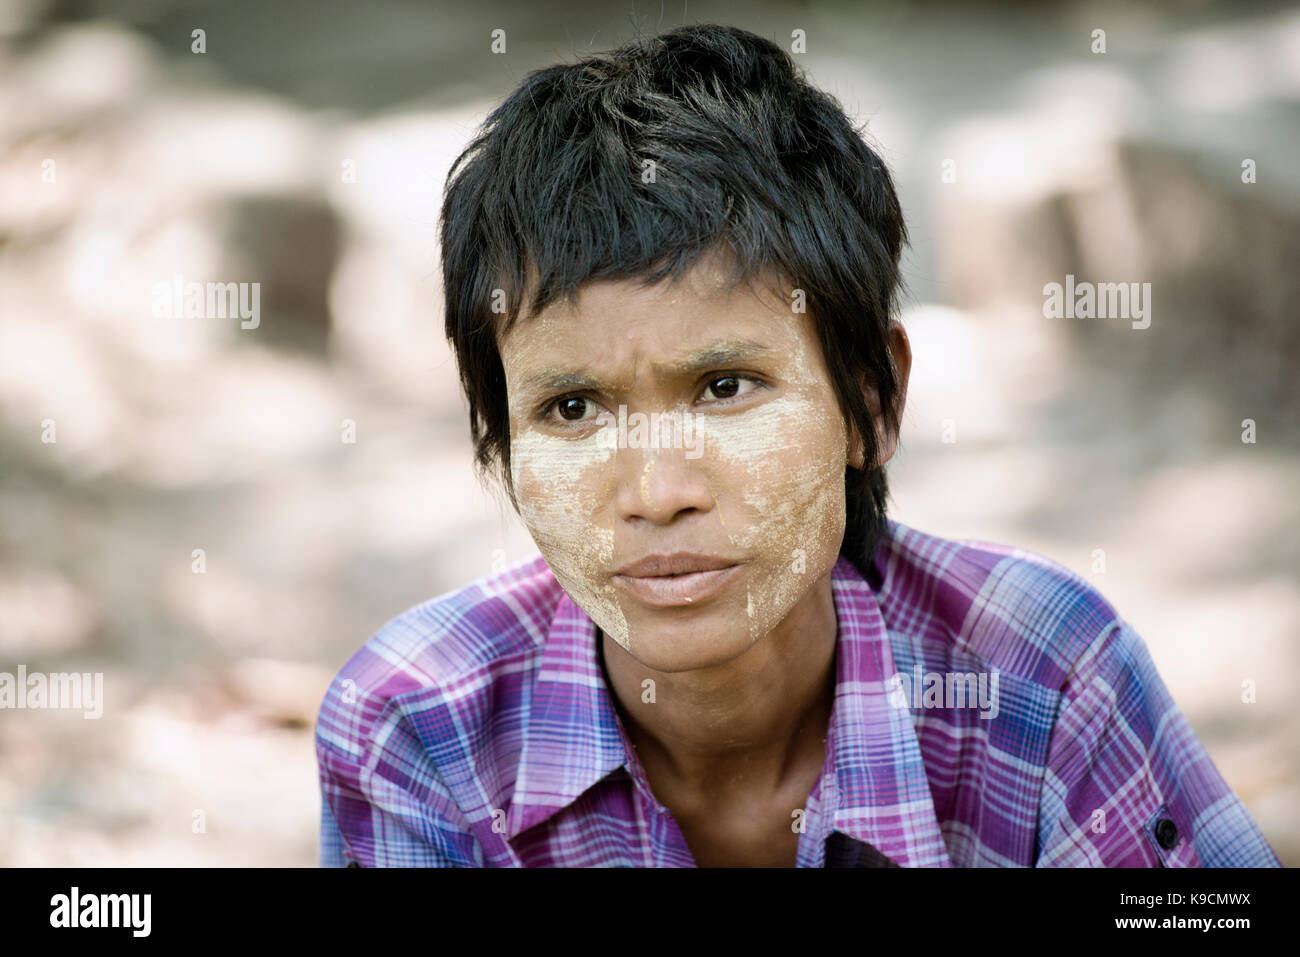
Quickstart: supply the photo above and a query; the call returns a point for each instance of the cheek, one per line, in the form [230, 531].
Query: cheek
[780, 473]
[785, 461]
[558, 483]
[561, 486]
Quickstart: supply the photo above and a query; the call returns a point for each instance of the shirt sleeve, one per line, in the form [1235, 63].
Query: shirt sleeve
[382, 806]
[1127, 783]
[331, 841]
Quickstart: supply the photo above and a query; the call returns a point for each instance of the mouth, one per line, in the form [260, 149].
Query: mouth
[685, 588]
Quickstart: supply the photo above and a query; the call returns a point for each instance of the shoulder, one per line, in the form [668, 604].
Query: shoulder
[446, 654]
[1015, 610]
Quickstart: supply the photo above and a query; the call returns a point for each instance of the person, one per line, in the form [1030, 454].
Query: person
[671, 277]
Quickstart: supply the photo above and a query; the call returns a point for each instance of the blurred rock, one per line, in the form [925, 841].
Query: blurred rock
[42, 614]
[289, 244]
[284, 693]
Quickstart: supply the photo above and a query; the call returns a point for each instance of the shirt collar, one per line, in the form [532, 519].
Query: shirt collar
[572, 738]
[874, 784]
[882, 794]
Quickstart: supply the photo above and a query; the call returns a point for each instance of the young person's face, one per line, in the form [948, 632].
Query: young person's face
[752, 473]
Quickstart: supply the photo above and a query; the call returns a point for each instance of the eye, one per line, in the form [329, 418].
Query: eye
[729, 386]
[572, 408]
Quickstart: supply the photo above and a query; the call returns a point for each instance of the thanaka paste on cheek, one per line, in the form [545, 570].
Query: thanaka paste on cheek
[794, 519]
[564, 487]
[785, 460]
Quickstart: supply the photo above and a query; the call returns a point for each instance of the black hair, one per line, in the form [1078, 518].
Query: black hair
[750, 159]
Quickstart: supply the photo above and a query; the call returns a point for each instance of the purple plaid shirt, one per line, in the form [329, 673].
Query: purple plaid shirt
[476, 730]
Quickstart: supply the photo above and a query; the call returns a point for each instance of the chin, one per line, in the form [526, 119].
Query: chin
[692, 643]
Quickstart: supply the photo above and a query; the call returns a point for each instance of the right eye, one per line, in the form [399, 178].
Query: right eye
[571, 408]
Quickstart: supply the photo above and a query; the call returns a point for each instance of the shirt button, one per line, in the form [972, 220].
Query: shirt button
[1166, 833]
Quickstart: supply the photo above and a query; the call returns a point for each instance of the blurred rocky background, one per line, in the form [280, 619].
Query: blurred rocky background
[305, 149]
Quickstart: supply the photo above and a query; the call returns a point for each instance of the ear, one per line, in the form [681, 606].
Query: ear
[884, 443]
[886, 439]
[857, 452]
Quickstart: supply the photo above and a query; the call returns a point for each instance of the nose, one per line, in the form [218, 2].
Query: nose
[659, 484]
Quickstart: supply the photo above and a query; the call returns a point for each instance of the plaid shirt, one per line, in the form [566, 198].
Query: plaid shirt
[476, 730]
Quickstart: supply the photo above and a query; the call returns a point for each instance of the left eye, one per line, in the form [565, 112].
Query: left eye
[575, 404]
[732, 387]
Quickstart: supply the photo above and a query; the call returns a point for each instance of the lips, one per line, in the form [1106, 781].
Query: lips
[678, 563]
[681, 578]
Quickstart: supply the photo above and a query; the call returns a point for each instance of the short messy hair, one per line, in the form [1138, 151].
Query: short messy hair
[750, 159]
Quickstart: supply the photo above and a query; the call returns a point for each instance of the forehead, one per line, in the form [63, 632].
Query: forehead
[702, 319]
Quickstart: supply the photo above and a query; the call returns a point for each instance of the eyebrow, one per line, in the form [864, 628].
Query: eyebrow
[722, 353]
